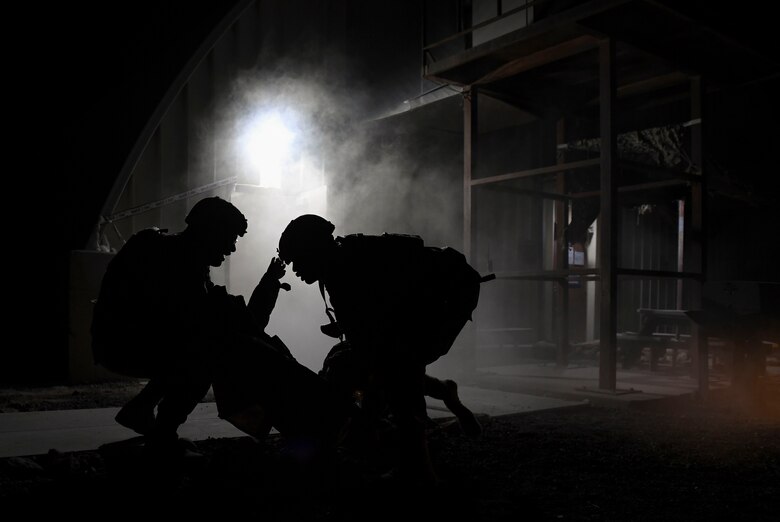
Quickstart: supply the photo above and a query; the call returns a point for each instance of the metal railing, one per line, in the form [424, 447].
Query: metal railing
[466, 28]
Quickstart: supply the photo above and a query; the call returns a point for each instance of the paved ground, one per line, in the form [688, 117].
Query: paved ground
[37, 432]
[654, 454]
[493, 391]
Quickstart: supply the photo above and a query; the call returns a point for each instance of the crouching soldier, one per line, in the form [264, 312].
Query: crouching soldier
[400, 305]
[159, 316]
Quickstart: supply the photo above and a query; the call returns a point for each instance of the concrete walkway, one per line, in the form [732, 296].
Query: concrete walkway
[35, 433]
[493, 391]
[634, 387]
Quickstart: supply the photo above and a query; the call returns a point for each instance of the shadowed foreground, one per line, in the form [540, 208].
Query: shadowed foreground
[583, 464]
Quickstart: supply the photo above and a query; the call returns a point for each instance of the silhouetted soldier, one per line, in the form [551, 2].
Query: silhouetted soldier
[156, 316]
[159, 316]
[400, 305]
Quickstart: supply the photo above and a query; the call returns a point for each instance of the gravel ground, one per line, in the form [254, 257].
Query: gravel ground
[696, 462]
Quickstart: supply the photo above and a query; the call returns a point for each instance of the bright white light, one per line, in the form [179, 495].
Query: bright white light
[267, 146]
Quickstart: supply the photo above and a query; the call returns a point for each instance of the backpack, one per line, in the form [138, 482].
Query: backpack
[419, 285]
[121, 323]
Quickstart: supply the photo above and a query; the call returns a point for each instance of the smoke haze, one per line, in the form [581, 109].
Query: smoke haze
[364, 175]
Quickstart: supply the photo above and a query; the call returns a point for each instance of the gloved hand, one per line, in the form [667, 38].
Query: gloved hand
[276, 270]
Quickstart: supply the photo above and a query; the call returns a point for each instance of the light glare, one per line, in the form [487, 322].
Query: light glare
[268, 145]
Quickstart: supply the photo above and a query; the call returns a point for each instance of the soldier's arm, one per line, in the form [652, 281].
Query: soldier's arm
[263, 299]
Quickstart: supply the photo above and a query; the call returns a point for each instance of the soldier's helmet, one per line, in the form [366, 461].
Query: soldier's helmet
[217, 213]
[305, 234]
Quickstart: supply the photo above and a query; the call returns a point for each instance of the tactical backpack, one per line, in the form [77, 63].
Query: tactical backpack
[121, 309]
[437, 281]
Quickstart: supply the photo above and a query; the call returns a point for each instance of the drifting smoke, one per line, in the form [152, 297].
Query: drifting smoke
[364, 175]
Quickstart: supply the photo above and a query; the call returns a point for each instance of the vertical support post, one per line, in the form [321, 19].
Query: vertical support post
[680, 250]
[698, 235]
[680, 268]
[561, 256]
[608, 218]
[470, 132]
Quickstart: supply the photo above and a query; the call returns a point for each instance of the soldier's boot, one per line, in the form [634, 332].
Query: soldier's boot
[468, 422]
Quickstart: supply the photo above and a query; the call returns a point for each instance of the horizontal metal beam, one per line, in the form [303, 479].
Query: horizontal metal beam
[653, 274]
[530, 192]
[140, 209]
[549, 275]
[552, 169]
[557, 52]
[635, 188]
[594, 273]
